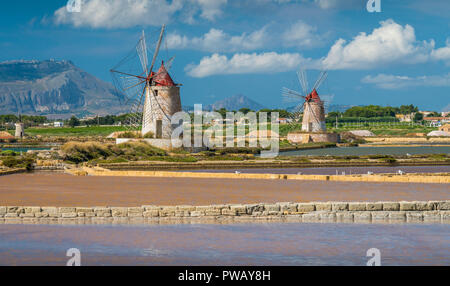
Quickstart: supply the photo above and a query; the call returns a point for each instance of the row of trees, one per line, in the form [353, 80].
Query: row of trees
[371, 111]
[27, 119]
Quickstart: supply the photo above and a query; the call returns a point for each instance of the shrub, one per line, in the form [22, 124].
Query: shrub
[149, 135]
[15, 162]
[389, 160]
[78, 152]
[8, 153]
[130, 134]
[140, 149]
[81, 152]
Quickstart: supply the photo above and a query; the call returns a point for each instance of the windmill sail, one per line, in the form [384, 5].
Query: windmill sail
[309, 102]
[153, 97]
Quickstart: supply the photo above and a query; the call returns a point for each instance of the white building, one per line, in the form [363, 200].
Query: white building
[58, 124]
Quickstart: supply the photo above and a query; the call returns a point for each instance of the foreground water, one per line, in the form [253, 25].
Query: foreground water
[358, 151]
[234, 244]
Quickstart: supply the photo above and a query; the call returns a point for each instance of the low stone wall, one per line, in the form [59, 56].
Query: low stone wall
[12, 171]
[431, 211]
[408, 140]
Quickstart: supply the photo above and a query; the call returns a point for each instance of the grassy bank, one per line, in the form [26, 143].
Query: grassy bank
[389, 130]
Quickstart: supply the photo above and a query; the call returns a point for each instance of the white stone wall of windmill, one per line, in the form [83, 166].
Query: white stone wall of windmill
[153, 97]
[312, 109]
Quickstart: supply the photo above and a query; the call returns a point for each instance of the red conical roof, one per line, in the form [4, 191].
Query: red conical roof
[162, 77]
[313, 96]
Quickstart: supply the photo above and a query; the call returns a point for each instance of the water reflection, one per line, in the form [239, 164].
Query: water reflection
[234, 244]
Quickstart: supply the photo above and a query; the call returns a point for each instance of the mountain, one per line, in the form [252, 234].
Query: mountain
[235, 102]
[53, 88]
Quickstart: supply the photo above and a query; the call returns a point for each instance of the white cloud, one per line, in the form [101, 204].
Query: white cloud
[218, 41]
[211, 9]
[443, 53]
[247, 63]
[327, 4]
[387, 44]
[129, 13]
[386, 81]
[301, 34]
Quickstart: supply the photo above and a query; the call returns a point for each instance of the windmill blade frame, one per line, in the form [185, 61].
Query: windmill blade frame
[141, 50]
[323, 75]
[158, 46]
[291, 94]
[327, 99]
[303, 79]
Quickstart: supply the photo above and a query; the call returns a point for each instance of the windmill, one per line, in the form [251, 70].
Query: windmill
[153, 97]
[311, 105]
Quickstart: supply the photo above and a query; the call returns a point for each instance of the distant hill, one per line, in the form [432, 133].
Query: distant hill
[235, 102]
[54, 88]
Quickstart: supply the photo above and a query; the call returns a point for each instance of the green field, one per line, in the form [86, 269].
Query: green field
[390, 131]
[77, 131]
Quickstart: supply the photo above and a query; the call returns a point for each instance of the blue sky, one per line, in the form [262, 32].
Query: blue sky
[252, 47]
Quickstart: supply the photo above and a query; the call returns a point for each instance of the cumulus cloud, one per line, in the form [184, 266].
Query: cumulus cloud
[327, 4]
[301, 34]
[387, 44]
[218, 41]
[443, 53]
[387, 81]
[272, 62]
[211, 9]
[129, 13]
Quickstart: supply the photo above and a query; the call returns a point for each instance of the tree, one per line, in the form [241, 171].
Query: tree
[334, 114]
[418, 116]
[245, 110]
[408, 109]
[222, 112]
[434, 114]
[73, 121]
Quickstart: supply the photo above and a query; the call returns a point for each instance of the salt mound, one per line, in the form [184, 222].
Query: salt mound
[362, 133]
[439, 134]
[5, 135]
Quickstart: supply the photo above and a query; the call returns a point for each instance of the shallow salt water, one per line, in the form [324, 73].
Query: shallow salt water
[333, 170]
[233, 244]
[356, 151]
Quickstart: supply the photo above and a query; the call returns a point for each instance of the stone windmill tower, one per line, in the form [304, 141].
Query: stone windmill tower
[162, 101]
[313, 114]
[153, 96]
[311, 104]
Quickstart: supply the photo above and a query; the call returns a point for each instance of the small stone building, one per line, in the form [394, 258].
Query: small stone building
[445, 128]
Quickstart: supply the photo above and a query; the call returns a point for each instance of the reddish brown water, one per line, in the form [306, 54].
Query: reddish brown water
[49, 189]
[237, 244]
